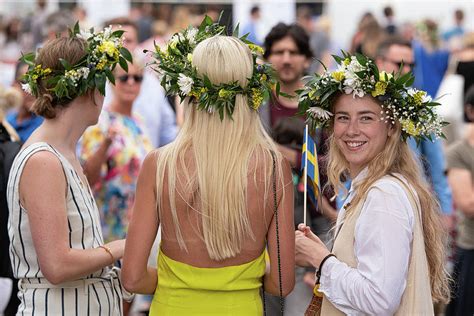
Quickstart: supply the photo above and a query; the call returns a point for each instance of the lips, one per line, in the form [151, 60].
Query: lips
[354, 145]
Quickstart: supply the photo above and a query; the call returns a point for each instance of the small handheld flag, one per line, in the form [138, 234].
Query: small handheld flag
[309, 165]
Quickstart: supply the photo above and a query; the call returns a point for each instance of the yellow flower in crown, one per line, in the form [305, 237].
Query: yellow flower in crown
[379, 89]
[347, 61]
[382, 75]
[190, 57]
[101, 64]
[410, 128]
[225, 94]
[418, 97]
[338, 75]
[257, 98]
[108, 47]
[255, 48]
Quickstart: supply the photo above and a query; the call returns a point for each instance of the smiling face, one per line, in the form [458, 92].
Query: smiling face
[359, 131]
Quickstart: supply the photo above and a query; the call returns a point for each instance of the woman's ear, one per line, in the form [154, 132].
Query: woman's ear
[469, 110]
[391, 130]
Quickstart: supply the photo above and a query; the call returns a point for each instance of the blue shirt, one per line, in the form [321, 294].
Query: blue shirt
[430, 68]
[26, 127]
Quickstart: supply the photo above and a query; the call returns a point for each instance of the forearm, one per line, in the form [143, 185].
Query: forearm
[273, 287]
[94, 164]
[145, 284]
[74, 264]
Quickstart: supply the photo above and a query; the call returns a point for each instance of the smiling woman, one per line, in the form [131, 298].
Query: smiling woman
[359, 130]
[389, 206]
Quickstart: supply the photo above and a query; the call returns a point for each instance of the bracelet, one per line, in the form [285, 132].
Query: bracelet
[108, 251]
[318, 273]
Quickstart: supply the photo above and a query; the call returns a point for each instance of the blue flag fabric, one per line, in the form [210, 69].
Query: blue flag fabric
[309, 160]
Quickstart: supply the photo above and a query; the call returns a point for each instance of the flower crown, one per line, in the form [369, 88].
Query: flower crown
[103, 51]
[179, 77]
[358, 75]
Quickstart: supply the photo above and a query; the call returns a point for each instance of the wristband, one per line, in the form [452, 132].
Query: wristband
[318, 273]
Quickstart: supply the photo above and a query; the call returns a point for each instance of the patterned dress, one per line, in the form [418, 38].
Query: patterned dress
[115, 191]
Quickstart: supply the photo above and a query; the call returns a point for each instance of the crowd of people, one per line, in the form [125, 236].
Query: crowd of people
[176, 174]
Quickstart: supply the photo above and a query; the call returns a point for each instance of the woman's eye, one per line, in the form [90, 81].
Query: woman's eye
[366, 118]
[342, 118]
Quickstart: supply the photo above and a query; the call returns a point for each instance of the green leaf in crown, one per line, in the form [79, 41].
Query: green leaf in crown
[178, 76]
[103, 51]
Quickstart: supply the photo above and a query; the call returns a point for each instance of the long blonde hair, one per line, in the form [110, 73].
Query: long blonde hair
[221, 150]
[397, 157]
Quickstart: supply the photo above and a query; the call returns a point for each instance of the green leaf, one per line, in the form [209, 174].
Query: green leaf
[126, 54]
[117, 33]
[205, 22]
[110, 76]
[100, 83]
[123, 63]
[65, 64]
[235, 32]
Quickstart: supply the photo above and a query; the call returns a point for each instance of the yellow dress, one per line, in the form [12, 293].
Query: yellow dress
[187, 290]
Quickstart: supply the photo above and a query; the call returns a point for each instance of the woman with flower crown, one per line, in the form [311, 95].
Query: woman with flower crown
[221, 192]
[57, 250]
[388, 253]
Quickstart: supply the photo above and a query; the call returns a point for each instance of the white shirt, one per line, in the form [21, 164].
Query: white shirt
[382, 246]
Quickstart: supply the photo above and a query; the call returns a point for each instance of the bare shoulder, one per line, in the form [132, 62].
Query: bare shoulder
[149, 164]
[44, 162]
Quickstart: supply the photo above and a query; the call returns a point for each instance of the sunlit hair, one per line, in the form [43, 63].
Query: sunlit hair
[397, 157]
[221, 152]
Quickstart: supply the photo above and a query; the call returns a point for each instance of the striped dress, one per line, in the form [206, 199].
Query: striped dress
[97, 294]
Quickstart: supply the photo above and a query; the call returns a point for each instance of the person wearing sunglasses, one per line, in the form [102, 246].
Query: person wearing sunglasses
[391, 53]
[113, 150]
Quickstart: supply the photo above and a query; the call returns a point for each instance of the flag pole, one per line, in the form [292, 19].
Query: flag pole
[305, 173]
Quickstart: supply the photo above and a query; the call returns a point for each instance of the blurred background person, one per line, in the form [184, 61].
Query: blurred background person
[112, 153]
[151, 103]
[390, 25]
[9, 146]
[287, 49]
[390, 55]
[252, 25]
[23, 120]
[431, 60]
[452, 37]
[460, 158]
[368, 36]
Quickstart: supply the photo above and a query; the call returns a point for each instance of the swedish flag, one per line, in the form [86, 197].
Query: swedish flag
[309, 162]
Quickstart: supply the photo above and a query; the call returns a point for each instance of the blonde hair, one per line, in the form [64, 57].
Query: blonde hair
[221, 152]
[9, 98]
[397, 157]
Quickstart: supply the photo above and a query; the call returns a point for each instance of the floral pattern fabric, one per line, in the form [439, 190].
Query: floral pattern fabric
[115, 190]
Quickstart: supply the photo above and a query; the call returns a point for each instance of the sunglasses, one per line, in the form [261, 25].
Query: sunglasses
[401, 63]
[136, 78]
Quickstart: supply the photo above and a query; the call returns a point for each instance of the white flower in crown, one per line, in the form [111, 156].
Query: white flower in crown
[354, 66]
[185, 84]
[84, 72]
[319, 113]
[27, 88]
[84, 34]
[191, 35]
[108, 31]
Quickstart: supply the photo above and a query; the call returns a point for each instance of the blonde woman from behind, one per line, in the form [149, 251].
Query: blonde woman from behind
[211, 190]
